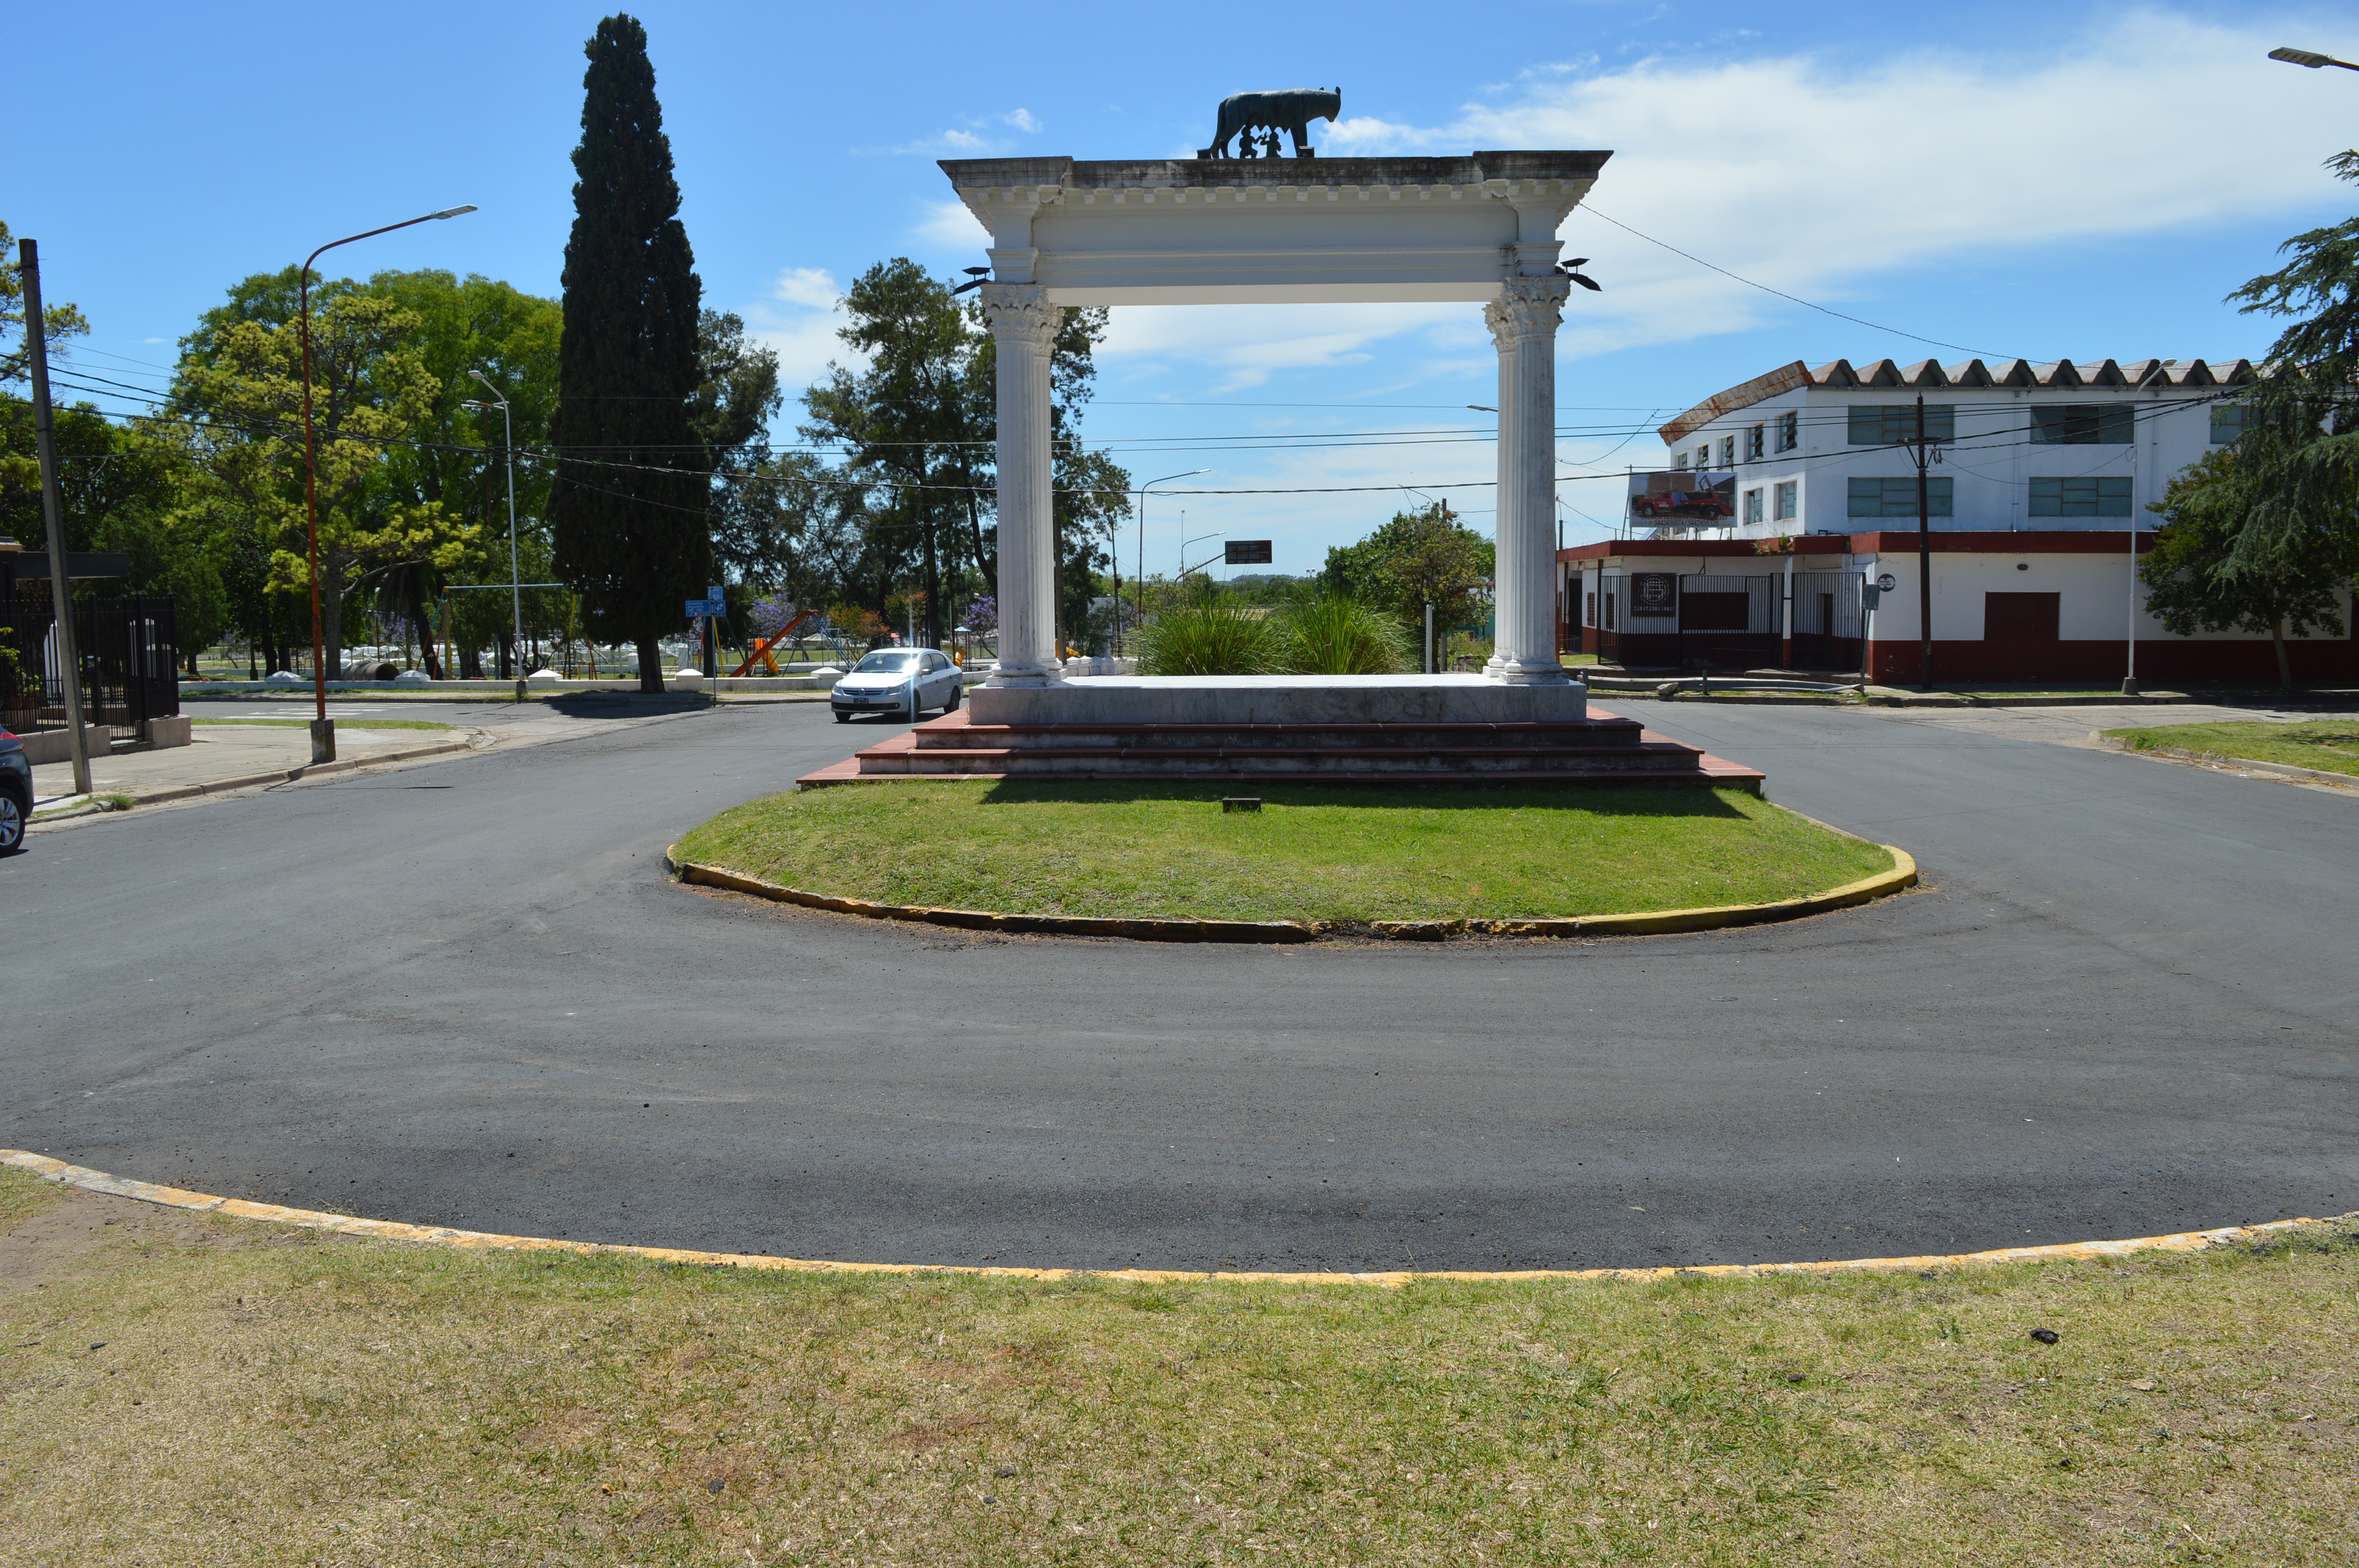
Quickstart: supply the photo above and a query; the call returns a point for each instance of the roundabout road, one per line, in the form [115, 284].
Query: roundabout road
[465, 994]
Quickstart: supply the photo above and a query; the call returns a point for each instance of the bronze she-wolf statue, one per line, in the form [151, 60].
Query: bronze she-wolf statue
[1290, 110]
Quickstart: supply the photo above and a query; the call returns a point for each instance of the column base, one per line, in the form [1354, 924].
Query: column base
[1034, 676]
[1516, 672]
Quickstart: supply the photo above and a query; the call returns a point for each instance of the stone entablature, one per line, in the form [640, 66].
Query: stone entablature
[1264, 230]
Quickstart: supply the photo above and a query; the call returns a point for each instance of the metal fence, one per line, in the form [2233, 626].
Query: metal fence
[130, 658]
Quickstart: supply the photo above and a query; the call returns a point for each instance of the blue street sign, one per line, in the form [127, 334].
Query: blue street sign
[713, 606]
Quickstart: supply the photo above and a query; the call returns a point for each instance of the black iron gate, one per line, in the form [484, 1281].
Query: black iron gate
[130, 664]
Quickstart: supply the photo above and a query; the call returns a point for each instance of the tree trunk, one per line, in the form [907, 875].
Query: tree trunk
[2284, 666]
[430, 657]
[651, 667]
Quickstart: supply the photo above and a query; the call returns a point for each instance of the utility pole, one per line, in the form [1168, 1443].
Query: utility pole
[1924, 455]
[37, 344]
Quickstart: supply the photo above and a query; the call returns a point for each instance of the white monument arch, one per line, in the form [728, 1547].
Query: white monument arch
[1480, 228]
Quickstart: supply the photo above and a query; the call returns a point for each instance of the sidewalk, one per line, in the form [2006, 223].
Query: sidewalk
[222, 753]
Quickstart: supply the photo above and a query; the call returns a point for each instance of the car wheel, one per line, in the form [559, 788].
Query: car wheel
[12, 822]
[844, 718]
[957, 694]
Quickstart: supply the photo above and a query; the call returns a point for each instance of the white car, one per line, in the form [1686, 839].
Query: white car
[903, 682]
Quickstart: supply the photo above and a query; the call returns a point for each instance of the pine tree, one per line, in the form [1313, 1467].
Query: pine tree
[627, 510]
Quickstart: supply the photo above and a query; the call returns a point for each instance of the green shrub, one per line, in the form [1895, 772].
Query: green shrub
[1333, 633]
[1208, 638]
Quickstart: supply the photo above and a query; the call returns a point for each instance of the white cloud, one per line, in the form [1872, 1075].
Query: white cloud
[1022, 119]
[950, 225]
[977, 136]
[801, 320]
[1809, 175]
[812, 287]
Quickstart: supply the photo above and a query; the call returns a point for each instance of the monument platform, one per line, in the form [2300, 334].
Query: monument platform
[1406, 730]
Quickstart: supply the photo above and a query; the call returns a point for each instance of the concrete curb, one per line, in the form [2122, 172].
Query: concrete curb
[2221, 759]
[276, 776]
[1903, 874]
[478, 1241]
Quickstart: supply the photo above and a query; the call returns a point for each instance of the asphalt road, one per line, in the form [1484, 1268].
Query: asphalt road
[465, 993]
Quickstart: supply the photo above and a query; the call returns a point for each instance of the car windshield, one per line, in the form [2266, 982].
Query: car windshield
[886, 662]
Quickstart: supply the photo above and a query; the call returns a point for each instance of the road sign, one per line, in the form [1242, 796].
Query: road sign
[1247, 553]
[713, 606]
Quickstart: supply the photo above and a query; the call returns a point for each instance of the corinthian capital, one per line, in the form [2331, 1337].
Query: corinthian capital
[1020, 313]
[1527, 308]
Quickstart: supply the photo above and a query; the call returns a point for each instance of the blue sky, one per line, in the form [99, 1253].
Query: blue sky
[2048, 181]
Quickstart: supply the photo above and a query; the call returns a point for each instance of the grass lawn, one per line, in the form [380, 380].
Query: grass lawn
[2329, 745]
[183, 1388]
[1337, 853]
[341, 723]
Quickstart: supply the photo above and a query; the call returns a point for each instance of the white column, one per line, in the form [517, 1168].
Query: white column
[1024, 329]
[1523, 325]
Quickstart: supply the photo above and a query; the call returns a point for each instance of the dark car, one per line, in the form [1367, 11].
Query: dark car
[15, 792]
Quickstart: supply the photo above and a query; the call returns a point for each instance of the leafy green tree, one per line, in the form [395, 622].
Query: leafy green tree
[1421, 557]
[910, 423]
[629, 508]
[2196, 580]
[2298, 461]
[371, 392]
[737, 394]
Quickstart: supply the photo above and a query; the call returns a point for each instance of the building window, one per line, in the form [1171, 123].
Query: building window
[1898, 497]
[1704, 456]
[1753, 505]
[2020, 617]
[1752, 440]
[2084, 424]
[1788, 500]
[1589, 607]
[2227, 422]
[1790, 431]
[1609, 609]
[1885, 424]
[1728, 451]
[2080, 497]
[1679, 462]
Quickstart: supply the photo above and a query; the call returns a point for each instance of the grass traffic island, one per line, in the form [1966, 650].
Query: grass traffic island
[2322, 745]
[188, 1389]
[1334, 858]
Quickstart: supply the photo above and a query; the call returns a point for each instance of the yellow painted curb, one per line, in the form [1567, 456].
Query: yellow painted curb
[478, 1241]
[1903, 874]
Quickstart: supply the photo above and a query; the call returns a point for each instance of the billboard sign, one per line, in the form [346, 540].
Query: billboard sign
[1682, 495]
[1247, 553]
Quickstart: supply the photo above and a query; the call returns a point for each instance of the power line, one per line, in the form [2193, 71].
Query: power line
[1913, 337]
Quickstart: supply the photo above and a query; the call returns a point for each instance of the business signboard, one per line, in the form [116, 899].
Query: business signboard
[1247, 553]
[1682, 495]
[1654, 595]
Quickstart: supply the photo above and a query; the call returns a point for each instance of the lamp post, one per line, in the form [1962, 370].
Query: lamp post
[507, 435]
[323, 729]
[2314, 60]
[1143, 488]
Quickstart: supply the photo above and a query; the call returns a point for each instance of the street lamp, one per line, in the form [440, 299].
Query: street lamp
[323, 729]
[2314, 60]
[1143, 488]
[508, 429]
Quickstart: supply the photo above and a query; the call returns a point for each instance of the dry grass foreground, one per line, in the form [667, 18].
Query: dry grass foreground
[2328, 745]
[1342, 853]
[180, 1388]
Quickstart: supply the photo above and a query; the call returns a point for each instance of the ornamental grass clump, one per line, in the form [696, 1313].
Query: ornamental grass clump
[1335, 634]
[1208, 638]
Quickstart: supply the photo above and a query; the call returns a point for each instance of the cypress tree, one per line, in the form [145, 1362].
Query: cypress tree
[626, 511]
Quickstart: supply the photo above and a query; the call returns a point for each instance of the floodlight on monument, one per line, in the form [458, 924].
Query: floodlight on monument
[976, 277]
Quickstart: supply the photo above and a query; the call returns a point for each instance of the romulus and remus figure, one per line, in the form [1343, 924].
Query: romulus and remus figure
[1290, 109]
